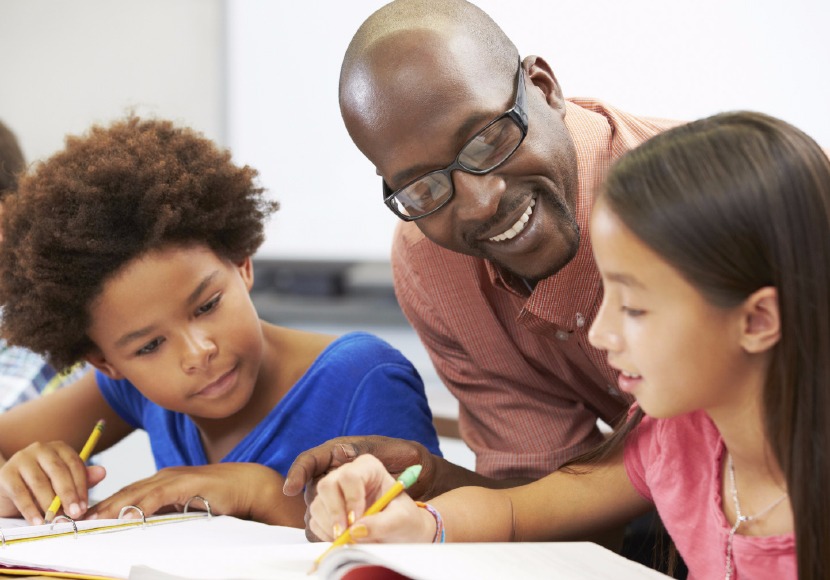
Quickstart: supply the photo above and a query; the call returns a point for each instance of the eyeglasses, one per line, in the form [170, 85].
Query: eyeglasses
[485, 151]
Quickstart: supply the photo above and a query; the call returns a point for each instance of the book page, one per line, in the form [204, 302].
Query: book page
[565, 560]
[544, 560]
[159, 546]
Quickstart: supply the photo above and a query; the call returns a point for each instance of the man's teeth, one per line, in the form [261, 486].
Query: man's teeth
[517, 227]
[630, 375]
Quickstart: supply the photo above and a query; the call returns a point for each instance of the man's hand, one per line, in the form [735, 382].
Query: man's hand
[395, 454]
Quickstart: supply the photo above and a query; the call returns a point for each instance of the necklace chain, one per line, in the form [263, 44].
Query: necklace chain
[739, 517]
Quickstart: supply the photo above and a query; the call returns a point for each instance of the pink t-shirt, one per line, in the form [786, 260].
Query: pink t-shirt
[676, 464]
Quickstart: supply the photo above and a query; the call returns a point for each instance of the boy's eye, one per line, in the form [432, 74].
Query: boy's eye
[150, 347]
[632, 312]
[209, 305]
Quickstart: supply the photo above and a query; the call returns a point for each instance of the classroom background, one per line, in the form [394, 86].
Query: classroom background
[260, 77]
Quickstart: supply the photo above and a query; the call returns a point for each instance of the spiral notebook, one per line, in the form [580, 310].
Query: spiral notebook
[109, 549]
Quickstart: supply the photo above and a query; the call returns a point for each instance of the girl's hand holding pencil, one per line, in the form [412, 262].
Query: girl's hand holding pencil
[344, 495]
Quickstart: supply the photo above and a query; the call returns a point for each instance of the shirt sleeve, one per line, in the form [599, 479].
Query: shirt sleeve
[124, 398]
[390, 401]
[640, 448]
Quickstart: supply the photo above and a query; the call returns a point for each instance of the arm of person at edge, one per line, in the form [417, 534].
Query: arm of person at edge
[244, 490]
[39, 443]
[562, 506]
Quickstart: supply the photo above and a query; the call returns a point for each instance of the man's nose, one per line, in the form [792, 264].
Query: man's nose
[477, 197]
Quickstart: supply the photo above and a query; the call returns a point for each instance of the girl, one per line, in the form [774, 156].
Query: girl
[713, 242]
[132, 249]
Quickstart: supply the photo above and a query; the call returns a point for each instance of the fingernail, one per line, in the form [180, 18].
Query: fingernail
[83, 506]
[93, 517]
[350, 517]
[336, 530]
[348, 450]
[36, 521]
[74, 510]
[359, 531]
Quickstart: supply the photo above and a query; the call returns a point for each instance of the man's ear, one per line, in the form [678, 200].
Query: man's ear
[96, 359]
[246, 271]
[541, 75]
[761, 320]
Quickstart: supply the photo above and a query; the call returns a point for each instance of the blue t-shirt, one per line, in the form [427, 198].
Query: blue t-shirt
[359, 385]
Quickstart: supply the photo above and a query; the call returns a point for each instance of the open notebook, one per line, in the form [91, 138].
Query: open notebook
[529, 561]
[111, 548]
[194, 546]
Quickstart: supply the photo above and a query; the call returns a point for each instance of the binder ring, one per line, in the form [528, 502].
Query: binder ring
[203, 500]
[68, 519]
[3, 538]
[126, 508]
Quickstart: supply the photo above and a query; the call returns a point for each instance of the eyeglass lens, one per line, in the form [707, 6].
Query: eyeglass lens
[483, 153]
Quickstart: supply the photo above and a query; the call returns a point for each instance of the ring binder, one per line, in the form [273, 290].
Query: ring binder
[18, 531]
[68, 519]
[136, 508]
[204, 501]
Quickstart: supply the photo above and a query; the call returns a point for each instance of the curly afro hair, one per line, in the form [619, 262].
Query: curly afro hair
[110, 196]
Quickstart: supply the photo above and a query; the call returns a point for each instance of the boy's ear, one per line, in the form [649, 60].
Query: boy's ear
[761, 321]
[96, 359]
[246, 270]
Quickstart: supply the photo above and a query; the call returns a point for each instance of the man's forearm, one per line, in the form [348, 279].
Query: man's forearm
[450, 476]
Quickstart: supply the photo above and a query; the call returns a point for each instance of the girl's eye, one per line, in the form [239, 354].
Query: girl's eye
[209, 305]
[632, 312]
[150, 347]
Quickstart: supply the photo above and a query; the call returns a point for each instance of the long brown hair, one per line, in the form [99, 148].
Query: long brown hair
[736, 202]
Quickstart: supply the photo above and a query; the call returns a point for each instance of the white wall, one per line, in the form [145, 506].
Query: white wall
[261, 76]
[68, 64]
[671, 58]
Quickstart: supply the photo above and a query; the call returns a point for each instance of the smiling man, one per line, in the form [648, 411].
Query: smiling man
[493, 173]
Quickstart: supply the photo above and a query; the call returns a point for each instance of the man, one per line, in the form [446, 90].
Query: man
[23, 374]
[493, 172]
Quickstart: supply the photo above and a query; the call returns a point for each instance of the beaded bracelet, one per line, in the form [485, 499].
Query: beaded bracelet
[440, 534]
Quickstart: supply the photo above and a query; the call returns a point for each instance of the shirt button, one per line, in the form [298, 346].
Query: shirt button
[580, 320]
[561, 335]
[612, 390]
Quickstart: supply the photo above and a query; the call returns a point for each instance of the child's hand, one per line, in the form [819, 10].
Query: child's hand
[351, 489]
[245, 490]
[32, 477]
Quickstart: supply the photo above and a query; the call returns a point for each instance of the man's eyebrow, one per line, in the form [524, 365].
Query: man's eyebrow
[463, 132]
[142, 332]
[625, 279]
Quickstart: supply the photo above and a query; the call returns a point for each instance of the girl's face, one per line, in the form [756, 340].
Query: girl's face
[180, 326]
[676, 352]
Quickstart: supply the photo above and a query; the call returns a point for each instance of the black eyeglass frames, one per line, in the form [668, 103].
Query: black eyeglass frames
[484, 152]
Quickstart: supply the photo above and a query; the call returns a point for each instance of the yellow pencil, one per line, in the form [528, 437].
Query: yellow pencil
[405, 480]
[85, 453]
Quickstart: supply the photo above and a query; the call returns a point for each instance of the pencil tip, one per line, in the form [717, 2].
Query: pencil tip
[50, 515]
[312, 570]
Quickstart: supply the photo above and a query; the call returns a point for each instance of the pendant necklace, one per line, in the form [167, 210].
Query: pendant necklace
[739, 517]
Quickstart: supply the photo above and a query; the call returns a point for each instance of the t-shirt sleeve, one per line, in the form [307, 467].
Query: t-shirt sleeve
[390, 401]
[640, 448]
[386, 393]
[123, 397]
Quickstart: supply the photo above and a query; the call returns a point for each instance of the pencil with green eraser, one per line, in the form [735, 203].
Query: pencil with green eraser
[85, 453]
[404, 481]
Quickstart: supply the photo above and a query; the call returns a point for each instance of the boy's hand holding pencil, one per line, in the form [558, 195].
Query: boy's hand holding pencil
[39, 479]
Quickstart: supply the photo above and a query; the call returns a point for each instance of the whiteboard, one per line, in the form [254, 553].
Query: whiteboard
[668, 58]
